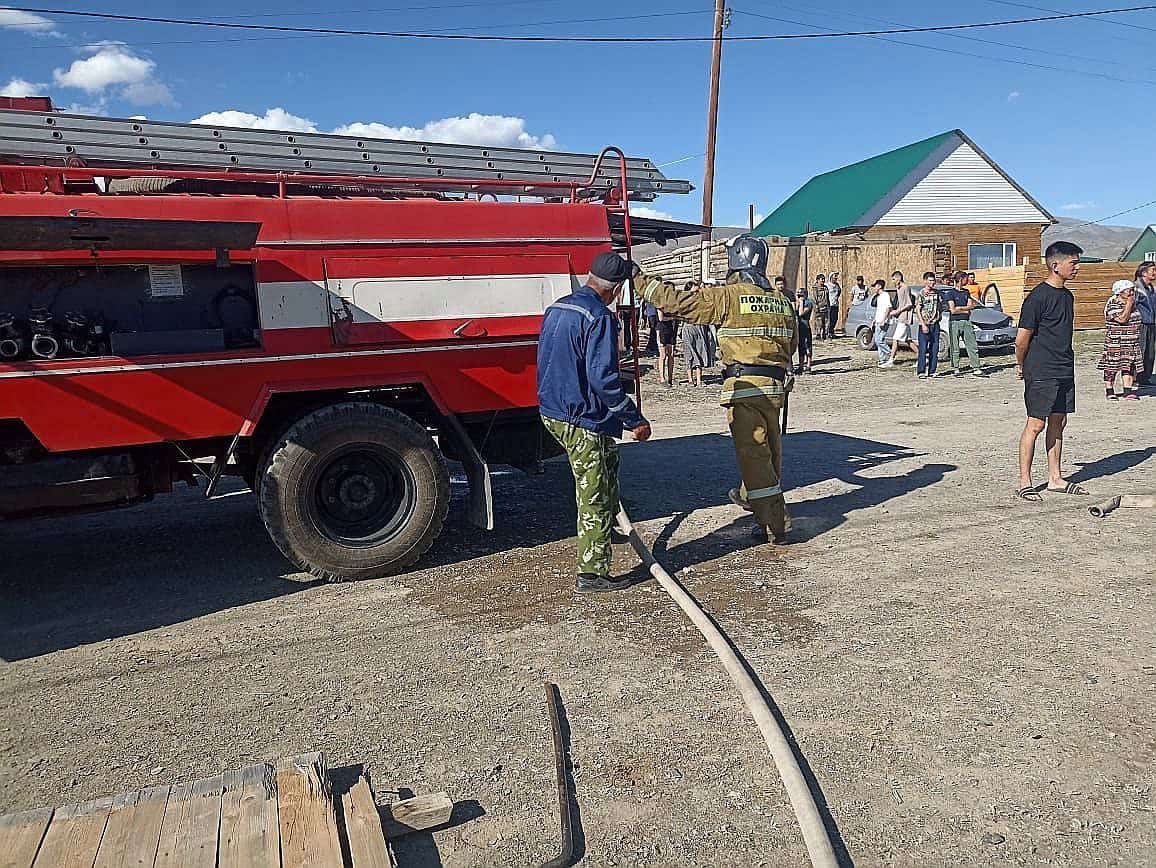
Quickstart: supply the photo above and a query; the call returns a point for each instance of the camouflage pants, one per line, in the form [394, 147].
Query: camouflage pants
[594, 462]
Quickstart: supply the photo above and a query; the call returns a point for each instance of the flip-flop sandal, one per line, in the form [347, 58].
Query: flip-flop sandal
[1070, 488]
[1030, 494]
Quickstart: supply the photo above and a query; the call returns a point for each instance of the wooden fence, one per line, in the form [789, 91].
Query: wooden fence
[1012, 286]
[1091, 287]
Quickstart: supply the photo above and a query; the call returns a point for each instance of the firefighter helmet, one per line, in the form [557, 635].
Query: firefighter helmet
[748, 255]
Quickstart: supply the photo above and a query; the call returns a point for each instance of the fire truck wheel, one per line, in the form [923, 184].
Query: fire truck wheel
[354, 491]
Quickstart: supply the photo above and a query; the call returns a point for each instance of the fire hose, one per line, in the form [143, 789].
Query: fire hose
[815, 836]
[1123, 501]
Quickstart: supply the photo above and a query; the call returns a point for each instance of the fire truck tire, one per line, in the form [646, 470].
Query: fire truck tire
[353, 491]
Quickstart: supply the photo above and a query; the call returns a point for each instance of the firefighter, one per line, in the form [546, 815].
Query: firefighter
[758, 335]
[584, 407]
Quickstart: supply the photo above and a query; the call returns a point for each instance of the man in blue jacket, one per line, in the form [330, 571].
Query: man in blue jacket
[584, 407]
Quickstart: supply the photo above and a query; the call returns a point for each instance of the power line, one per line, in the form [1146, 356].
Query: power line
[679, 160]
[1051, 52]
[618, 40]
[1128, 24]
[432, 32]
[938, 49]
[385, 10]
[1117, 214]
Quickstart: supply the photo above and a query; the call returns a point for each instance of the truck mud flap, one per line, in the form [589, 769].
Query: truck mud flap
[481, 509]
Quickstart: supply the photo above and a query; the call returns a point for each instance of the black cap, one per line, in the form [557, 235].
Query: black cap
[611, 267]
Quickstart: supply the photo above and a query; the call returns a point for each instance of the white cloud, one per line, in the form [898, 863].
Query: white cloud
[110, 65]
[1013, 96]
[27, 22]
[1077, 206]
[499, 131]
[650, 213]
[20, 87]
[273, 119]
[114, 65]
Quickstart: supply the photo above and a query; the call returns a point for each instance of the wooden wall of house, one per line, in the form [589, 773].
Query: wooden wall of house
[1025, 236]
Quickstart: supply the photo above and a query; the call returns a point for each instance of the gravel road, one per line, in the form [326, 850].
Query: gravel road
[969, 679]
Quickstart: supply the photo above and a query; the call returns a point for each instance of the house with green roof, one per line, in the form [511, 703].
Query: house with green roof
[1143, 249]
[943, 188]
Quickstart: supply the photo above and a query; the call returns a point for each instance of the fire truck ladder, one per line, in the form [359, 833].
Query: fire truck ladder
[77, 141]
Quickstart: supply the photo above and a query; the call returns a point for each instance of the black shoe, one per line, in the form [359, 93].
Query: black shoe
[589, 583]
[618, 538]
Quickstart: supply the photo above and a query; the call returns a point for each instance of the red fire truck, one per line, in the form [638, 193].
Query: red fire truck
[326, 317]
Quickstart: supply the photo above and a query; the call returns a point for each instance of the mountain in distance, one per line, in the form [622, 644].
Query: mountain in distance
[1098, 241]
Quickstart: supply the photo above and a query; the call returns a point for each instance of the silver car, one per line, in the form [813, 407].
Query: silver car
[993, 328]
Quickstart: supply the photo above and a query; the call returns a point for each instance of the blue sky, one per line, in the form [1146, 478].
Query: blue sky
[1079, 138]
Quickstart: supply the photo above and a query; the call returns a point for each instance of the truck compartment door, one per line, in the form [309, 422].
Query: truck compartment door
[376, 300]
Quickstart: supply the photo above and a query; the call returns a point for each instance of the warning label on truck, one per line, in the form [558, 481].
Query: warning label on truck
[765, 303]
[165, 281]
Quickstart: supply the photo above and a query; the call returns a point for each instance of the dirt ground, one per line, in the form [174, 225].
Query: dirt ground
[970, 680]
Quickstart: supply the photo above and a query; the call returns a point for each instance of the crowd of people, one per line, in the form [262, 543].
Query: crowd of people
[918, 321]
[903, 320]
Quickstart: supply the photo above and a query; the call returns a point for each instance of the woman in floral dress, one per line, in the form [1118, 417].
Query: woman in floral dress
[1122, 354]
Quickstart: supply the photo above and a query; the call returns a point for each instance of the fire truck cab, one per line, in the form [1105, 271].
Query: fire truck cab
[330, 337]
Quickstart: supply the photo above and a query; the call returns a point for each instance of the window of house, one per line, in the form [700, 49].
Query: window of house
[990, 256]
[1150, 256]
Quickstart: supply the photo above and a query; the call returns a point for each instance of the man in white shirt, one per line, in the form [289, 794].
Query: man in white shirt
[859, 291]
[834, 295]
[882, 319]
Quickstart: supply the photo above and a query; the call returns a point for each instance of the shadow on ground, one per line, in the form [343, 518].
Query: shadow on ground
[1112, 464]
[79, 580]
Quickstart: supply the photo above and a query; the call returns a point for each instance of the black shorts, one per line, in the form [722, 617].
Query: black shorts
[1045, 397]
[666, 331]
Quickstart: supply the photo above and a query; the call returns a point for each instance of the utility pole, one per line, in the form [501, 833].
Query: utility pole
[720, 22]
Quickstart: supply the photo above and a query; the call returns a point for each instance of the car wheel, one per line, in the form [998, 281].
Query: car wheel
[864, 339]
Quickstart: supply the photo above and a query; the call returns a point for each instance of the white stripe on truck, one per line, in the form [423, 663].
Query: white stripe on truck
[307, 303]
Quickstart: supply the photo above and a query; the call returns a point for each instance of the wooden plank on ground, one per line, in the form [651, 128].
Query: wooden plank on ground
[417, 814]
[308, 817]
[363, 831]
[249, 836]
[188, 835]
[115, 838]
[133, 829]
[20, 837]
[73, 836]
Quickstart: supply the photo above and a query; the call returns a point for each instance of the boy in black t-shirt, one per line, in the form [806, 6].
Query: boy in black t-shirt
[1046, 363]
